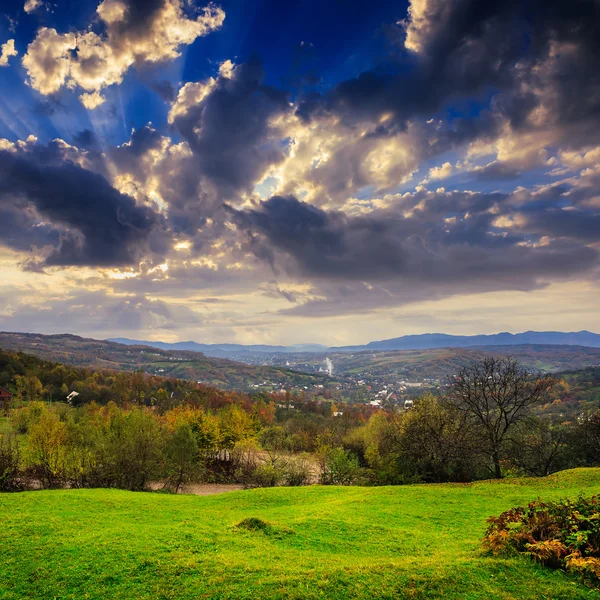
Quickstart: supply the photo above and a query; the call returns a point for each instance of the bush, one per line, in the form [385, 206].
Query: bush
[560, 535]
[340, 467]
[266, 475]
[22, 419]
[10, 460]
[298, 472]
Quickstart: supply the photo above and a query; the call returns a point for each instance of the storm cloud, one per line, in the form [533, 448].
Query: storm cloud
[391, 244]
[230, 124]
[537, 58]
[75, 212]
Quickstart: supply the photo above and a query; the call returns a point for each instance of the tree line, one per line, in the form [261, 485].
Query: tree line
[131, 430]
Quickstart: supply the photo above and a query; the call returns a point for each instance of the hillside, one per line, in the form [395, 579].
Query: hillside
[86, 352]
[442, 340]
[438, 363]
[420, 541]
[222, 350]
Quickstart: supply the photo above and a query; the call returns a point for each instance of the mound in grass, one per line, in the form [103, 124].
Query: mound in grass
[419, 541]
[254, 524]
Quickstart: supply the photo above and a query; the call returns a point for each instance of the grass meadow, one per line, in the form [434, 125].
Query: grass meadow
[419, 541]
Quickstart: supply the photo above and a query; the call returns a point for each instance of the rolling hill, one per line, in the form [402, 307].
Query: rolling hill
[222, 350]
[417, 365]
[101, 354]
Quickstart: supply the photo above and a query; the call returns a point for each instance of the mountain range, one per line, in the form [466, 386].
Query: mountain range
[408, 342]
[256, 369]
[222, 350]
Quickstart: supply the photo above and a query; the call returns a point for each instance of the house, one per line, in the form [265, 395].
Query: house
[71, 396]
[5, 398]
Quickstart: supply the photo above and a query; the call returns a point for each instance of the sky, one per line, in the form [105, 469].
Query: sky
[333, 172]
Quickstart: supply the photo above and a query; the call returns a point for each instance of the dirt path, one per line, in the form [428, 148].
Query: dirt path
[203, 489]
[208, 489]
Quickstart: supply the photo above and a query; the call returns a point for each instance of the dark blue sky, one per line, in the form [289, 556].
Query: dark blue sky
[309, 45]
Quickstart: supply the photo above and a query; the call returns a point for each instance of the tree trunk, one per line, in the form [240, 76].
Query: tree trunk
[497, 469]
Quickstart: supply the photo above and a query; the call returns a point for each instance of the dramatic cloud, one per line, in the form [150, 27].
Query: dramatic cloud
[464, 162]
[135, 33]
[538, 56]
[233, 125]
[6, 51]
[72, 215]
[417, 240]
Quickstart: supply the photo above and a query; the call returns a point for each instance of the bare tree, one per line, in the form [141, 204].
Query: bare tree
[497, 394]
[539, 448]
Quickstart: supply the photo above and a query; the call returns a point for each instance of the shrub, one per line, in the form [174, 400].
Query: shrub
[254, 524]
[24, 418]
[10, 459]
[340, 467]
[266, 475]
[560, 535]
[298, 472]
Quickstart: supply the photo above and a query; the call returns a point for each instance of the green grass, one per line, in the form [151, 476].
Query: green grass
[419, 541]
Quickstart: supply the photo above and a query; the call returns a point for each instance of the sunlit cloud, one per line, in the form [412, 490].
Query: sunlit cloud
[133, 35]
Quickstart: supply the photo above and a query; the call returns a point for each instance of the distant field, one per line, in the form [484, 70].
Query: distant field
[419, 541]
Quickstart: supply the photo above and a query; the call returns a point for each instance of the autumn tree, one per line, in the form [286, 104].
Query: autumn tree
[497, 394]
[29, 388]
[46, 448]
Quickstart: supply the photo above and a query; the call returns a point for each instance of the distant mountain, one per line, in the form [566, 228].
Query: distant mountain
[426, 341]
[429, 341]
[181, 364]
[222, 350]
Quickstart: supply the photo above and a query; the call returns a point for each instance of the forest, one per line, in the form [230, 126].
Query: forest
[73, 427]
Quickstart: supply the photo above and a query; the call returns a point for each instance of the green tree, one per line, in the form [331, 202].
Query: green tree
[134, 448]
[340, 467]
[182, 456]
[437, 441]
